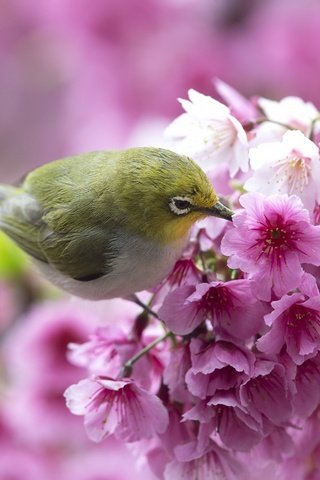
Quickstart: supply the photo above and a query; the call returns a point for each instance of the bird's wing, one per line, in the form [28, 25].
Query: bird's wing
[19, 219]
[56, 222]
[83, 255]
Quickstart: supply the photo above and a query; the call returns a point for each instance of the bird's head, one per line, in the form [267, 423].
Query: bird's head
[164, 194]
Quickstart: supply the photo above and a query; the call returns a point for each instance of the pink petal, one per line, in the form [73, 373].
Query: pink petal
[180, 315]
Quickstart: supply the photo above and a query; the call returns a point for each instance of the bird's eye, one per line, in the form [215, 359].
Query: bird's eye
[180, 205]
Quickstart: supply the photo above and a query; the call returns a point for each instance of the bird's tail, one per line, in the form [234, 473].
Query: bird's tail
[19, 218]
[6, 192]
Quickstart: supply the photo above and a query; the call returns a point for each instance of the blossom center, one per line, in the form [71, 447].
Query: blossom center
[299, 172]
[221, 134]
[180, 271]
[301, 317]
[276, 238]
[294, 170]
[216, 296]
[217, 300]
[298, 317]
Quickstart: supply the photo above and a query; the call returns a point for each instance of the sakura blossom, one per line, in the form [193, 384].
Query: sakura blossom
[242, 108]
[295, 323]
[80, 76]
[291, 166]
[271, 239]
[216, 373]
[235, 427]
[209, 133]
[209, 463]
[266, 394]
[290, 111]
[307, 397]
[109, 348]
[187, 307]
[119, 407]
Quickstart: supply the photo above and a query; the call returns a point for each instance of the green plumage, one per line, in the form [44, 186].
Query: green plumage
[70, 213]
[67, 228]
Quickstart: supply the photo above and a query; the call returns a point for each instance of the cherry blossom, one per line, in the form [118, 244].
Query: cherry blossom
[219, 376]
[290, 166]
[266, 393]
[294, 322]
[116, 406]
[207, 463]
[271, 239]
[291, 111]
[187, 307]
[209, 133]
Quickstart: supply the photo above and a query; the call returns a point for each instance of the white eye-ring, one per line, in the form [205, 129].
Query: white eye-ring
[180, 205]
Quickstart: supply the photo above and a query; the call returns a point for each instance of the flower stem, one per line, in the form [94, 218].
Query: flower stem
[253, 124]
[145, 307]
[312, 127]
[127, 367]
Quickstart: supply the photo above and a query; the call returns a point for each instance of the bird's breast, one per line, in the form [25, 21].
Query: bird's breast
[140, 265]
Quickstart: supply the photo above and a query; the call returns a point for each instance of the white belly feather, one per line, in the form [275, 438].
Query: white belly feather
[141, 265]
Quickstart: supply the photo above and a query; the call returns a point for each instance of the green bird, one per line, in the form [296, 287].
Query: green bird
[110, 223]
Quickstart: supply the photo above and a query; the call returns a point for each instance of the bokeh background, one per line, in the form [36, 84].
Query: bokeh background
[79, 75]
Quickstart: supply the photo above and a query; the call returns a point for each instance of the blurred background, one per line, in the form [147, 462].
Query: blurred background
[79, 75]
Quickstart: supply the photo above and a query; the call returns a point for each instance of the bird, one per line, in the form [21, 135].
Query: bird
[107, 224]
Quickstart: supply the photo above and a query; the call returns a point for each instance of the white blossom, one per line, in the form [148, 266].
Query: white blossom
[291, 166]
[209, 134]
[292, 111]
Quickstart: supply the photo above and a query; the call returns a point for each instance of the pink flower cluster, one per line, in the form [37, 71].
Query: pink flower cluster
[221, 378]
[39, 439]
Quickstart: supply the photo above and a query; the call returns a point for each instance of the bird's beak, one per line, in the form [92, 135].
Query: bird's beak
[221, 211]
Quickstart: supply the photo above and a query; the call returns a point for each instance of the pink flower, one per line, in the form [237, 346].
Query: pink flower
[231, 307]
[175, 372]
[196, 462]
[34, 354]
[294, 322]
[181, 315]
[208, 231]
[160, 451]
[203, 386]
[307, 397]
[276, 445]
[100, 353]
[226, 418]
[185, 272]
[109, 348]
[50, 327]
[116, 407]
[266, 393]
[236, 429]
[304, 461]
[217, 366]
[242, 108]
[271, 238]
[208, 357]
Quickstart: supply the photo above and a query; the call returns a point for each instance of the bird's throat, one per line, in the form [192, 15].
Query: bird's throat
[177, 230]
